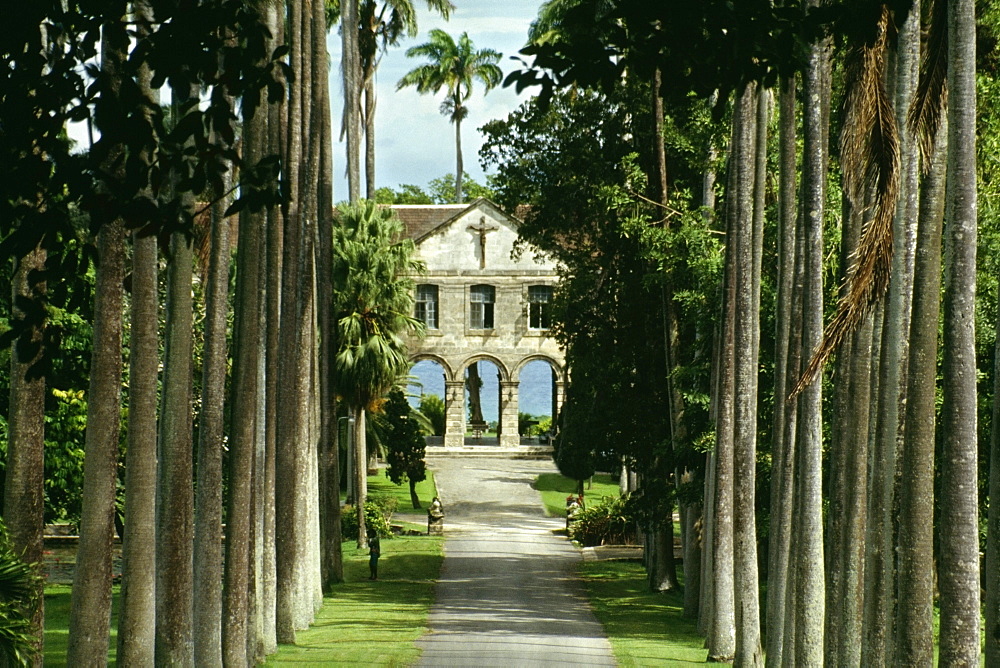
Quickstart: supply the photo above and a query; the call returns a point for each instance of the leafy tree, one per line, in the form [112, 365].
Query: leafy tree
[406, 444]
[442, 189]
[373, 306]
[452, 66]
[407, 194]
[439, 191]
[432, 406]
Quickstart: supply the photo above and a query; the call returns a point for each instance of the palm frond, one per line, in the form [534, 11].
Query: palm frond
[870, 159]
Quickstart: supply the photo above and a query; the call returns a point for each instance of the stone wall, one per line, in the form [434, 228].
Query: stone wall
[472, 245]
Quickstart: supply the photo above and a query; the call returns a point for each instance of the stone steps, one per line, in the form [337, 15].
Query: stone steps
[491, 451]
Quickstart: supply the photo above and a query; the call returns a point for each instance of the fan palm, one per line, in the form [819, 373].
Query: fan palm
[373, 303]
[453, 66]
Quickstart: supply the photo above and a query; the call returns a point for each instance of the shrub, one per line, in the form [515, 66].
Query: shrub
[606, 523]
[374, 519]
[385, 503]
[432, 406]
[18, 582]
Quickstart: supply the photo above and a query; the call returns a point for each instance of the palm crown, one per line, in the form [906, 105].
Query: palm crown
[453, 66]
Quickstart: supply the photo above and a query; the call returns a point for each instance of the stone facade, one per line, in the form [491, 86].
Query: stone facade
[468, 250]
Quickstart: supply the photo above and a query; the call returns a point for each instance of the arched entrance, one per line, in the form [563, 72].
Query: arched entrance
[498, 424]
[427, 391]
[540, 388]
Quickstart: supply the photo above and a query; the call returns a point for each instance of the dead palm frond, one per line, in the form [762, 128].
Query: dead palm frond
[927, 109]
[869, 146]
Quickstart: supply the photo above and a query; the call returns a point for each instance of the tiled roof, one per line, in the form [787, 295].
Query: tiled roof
[419, 219]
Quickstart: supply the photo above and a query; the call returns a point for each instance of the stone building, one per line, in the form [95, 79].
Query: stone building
[481, 301]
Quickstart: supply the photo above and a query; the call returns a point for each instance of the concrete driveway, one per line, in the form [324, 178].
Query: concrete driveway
[507, 594]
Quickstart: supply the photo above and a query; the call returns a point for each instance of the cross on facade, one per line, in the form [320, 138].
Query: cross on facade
[482, 229]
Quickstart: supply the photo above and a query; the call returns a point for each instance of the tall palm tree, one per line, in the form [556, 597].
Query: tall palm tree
[373, 304]
[958, 564]
[452, 66]
[381, 24]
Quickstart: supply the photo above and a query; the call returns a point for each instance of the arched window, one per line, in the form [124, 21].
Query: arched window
[539, 306]
[426, 306]
[481, 300]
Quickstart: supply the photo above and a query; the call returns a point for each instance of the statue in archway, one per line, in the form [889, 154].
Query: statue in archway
[474, 384]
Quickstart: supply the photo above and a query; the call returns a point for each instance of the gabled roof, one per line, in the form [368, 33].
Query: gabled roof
[422, 220]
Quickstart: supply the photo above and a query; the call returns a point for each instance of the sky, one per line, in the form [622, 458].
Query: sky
[414, 143]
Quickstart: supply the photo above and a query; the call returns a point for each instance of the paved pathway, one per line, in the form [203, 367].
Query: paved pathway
[507, 595]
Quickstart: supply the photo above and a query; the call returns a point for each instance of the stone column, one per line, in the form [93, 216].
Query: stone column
[508, 414]
[558, 398]
[454, 413]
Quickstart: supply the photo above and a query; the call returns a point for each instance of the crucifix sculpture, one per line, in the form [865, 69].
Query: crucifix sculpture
[483, 230]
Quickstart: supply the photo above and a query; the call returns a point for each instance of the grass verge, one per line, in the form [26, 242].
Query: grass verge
[555, 488]
[56, 638]
[426, 491]
[372, 623]
[645, 629]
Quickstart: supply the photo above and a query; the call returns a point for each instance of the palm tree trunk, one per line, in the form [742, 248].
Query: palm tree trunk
[360, 475]
[915, 617]
[370, 136]
[744, 369]
[24, 484]
[848, 465]
[808, 535]
[797, 357]
[665, 567]
[237, 631]
[722, 630]
[24, 491]
[267, 577]
[958, 569]
[136, 621]
[351, 66]
[208, 500]
[174, 586]
[778, 542]
[288, 539]
[91, 600]
[332, 566]
[459, 169]
[137, 617]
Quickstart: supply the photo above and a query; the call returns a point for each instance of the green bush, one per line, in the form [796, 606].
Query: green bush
[374, 519]
[18, 582]
[432, 406]
[607, 523]
[385, 503]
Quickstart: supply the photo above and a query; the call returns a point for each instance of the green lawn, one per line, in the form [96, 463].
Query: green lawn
[57, 606]
[426, 491]
[363, 623]
[555, 488]
[645, 629]
[372, 623]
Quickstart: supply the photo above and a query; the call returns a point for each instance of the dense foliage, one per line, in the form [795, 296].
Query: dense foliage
[405, 444]
[606, 523]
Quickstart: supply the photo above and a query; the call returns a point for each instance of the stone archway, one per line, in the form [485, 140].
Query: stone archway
[429, 376]
[455, 423]
[558, 386]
